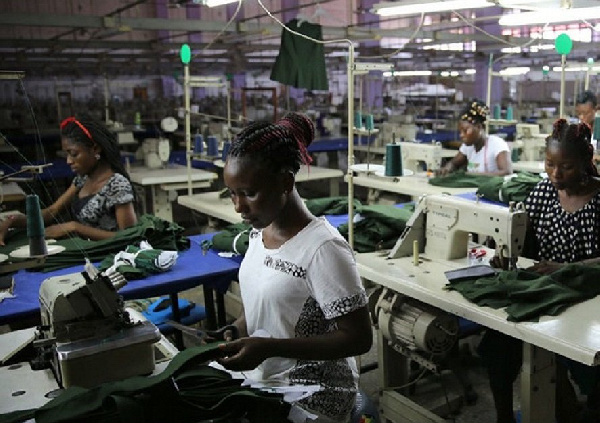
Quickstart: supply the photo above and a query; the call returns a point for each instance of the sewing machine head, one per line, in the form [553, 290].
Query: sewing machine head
[156, 152]
[86, 336]
[441, 225]
[414, 153]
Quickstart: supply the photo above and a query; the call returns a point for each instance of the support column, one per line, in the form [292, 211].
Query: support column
[194, 12]
[482, 62]
[372, 86]
[168, 82]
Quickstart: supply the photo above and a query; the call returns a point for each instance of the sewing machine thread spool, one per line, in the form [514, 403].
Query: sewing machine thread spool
[198, 144]
[35, 227]
[497, 111]
[393, 160]
[212, 145]
[596, 135]
[225, 152]
[358, 120]
[509, 113]
[369, 122]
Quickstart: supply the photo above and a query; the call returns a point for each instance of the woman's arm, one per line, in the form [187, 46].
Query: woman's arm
[352, 337]
[457, 162]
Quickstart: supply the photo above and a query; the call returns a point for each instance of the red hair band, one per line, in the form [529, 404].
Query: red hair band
[76, 122]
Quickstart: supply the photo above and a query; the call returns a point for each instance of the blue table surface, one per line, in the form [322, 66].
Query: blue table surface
[193, 268]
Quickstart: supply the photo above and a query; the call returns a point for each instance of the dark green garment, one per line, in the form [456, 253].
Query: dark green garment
[160, 233]
[380, 227]
[506, 189]
[528, 295]
[186, 391]
[145, 263]
[301, 62]
[238, 233]
[330, 205]
[459, 179]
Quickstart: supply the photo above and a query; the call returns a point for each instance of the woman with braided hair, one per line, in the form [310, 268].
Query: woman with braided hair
[101, 195]
[304, 312]
[564, 227]
[479, 153]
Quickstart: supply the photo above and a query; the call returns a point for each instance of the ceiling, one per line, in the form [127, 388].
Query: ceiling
[76, 38]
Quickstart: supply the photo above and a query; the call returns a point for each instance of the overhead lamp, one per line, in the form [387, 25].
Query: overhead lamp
[550, 16]
[401, 8]
[408, 73]
[512, 71]
[213, 3]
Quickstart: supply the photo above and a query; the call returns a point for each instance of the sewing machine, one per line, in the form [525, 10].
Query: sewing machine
[414, 154]
[156, 152]
[412, 326]
[441, 225]
[86, 336]
[531, 143]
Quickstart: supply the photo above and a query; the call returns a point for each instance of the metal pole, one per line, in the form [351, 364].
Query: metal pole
[188, 137]
[350, 73]
[106, 94]
[488, 97]
[563, 62]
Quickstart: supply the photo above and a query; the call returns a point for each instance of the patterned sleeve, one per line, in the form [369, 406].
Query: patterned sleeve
[334, 279]
[78, 181]
[119, 191]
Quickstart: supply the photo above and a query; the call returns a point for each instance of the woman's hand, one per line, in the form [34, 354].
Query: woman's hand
[244, 353]
[545, 267]
[61, 230]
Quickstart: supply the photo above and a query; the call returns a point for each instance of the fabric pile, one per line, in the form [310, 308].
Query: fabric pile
[138, 262]
[528, 295]
[188, 390]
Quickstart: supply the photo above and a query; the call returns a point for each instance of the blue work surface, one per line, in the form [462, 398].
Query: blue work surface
[193, 268]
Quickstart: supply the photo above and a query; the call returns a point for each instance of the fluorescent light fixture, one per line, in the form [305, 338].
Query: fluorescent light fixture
[401, 8]
[518, 70]
[366, 67]
[577, 68]
[213, 3]
[550, 16]
[470, 71]
[408, 73]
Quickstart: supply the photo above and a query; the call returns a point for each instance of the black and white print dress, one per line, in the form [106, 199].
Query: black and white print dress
[298, 290]
[562, 236]
[98, 210]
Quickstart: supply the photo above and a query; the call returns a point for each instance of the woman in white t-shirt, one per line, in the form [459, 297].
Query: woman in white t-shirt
[479, 153]
[305, 311]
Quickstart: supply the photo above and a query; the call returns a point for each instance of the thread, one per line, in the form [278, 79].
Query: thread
[35, 226]
[497, 111]
[225, 152]
[358, 120]
[369, 122]
[509, 113]
[393, 160]
[596, 135]
[212, 145]
[198, 144]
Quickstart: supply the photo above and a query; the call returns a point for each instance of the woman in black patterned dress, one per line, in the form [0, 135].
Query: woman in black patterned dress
[564, 227]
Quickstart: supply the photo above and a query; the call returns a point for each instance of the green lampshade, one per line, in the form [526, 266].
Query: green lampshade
[186, 54]
[563, 44]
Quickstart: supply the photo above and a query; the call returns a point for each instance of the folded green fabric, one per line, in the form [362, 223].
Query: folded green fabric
[459, 179]
[504, 189]
[233, 238]
[379, 228]
[330, 205]
[138, 262]
[528, 295]
[188, 390]
[160, 233]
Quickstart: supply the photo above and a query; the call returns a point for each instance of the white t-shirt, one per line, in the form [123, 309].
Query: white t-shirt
[484, 160]
[296, 291]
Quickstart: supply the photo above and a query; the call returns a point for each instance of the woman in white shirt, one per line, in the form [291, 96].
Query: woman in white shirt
[305, 311]
[479, 153]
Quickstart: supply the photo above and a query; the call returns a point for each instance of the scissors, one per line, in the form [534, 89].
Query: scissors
[208, 335]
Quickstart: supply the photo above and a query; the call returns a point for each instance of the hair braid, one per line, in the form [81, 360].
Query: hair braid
[575, 139]
[281, 146]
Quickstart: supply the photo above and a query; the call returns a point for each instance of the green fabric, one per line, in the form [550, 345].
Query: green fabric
[330, 205]
[506, 189]
[301, 62]
[145, 263]
[380, 227]
[223, 241]
[186, 391]
[528, 295]
[459, 179]
[160, 233]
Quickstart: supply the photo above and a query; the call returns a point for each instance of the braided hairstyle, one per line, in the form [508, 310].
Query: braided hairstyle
[85, 130]
[475, 112]
[574, 139]
[281, 146]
